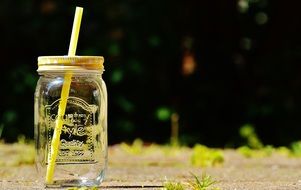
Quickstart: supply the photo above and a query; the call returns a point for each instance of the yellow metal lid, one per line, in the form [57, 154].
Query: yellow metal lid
[70, 63]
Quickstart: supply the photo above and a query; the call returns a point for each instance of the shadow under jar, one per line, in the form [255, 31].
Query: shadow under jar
[82, 151]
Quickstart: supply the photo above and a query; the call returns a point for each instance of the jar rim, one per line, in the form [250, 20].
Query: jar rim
[70, 63]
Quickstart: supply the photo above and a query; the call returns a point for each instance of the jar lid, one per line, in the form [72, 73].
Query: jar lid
[70, 63]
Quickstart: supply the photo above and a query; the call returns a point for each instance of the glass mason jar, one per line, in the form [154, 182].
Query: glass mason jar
[82, 149]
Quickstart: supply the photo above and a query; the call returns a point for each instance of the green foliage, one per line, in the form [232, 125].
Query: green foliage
[203, 156]
[122, 31]
[135, 148]
[282, 150]
[248, 132]
[268, 150]
[296, 149]
[173, 186]
[246, 151]
[138, 147]
[256, 149]
[205, 183]
[23, 141]
[293, 151]
[256, 153]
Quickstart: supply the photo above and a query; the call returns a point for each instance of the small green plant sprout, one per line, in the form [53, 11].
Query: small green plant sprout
[173, 186]
[203, 156]
[205, 183]
[247, 132]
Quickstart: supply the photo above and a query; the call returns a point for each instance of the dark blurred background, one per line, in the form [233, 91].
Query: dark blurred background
[218, 65]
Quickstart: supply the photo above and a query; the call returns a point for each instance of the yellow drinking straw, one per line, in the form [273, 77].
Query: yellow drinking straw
[64, 96]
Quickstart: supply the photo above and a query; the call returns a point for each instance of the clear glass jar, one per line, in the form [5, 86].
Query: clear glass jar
[82, 151]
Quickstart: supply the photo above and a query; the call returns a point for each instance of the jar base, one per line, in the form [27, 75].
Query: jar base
[77, 182]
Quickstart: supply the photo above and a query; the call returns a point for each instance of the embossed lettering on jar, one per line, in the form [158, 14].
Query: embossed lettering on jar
[82, 156]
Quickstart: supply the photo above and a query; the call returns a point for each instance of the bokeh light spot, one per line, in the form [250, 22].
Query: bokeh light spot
[135, 66]
[243, 6]
[30, 80]
[9, 116]
[154, 41]
[246, 43]
[261, 18]
[117, 76]
[163, 113]
[188, 64]
[125, 104]
[114, 49]
[188, 42]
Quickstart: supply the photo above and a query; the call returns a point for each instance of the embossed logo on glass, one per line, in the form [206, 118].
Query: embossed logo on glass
[76, 140]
